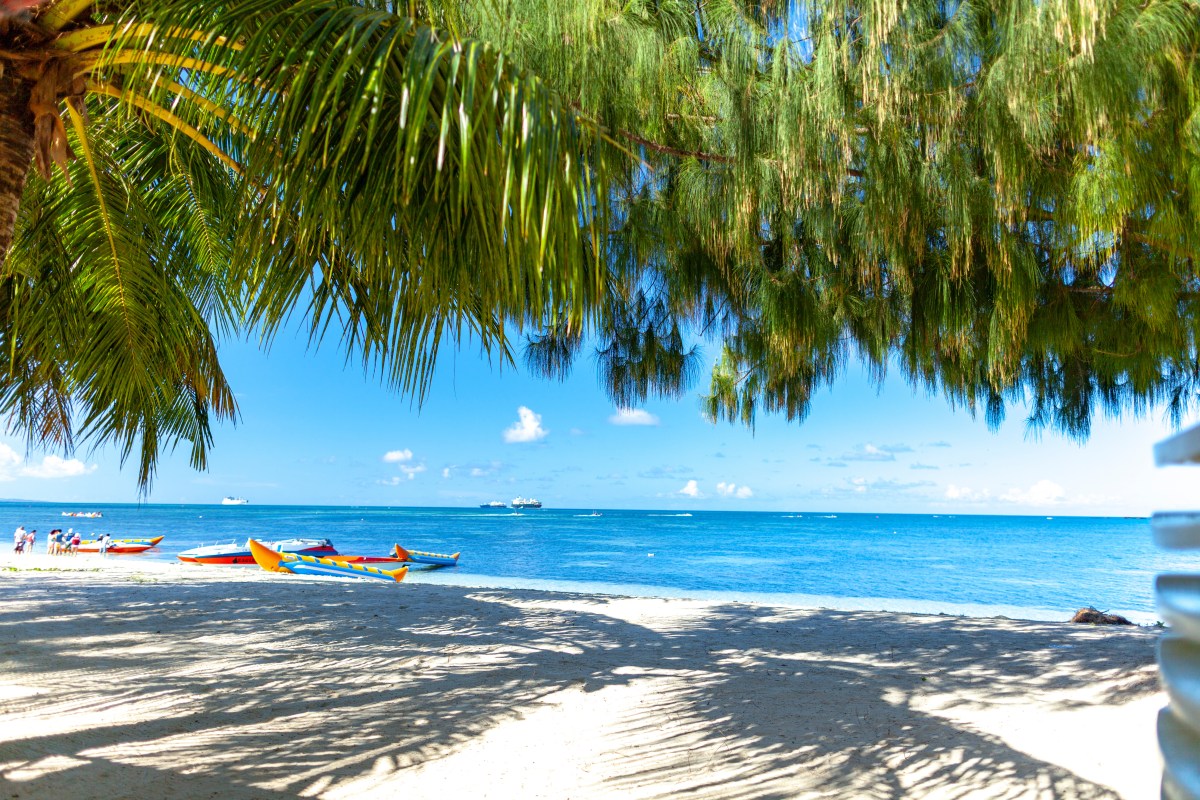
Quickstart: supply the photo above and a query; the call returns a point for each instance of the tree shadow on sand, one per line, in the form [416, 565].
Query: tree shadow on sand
[287, 688]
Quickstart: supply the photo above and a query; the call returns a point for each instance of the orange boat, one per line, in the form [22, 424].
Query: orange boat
[120, 546]
[274, 561]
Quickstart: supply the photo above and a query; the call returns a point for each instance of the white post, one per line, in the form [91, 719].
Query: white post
[1178, 598]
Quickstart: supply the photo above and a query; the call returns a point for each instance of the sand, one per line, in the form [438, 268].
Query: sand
[137, 680]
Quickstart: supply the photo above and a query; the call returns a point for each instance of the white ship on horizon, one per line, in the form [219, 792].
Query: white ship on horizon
[526, 502]
[234, 501]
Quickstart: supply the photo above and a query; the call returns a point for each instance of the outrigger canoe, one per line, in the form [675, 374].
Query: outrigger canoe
[401, 556]
[274, 561]
[240, 553]
[121, 546]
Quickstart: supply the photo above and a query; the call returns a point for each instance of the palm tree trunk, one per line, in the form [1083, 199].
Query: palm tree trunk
[16, 153]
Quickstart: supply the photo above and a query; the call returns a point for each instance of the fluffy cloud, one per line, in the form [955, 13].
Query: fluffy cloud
[412, 472]
[396, 456]
[733, 490]
[55, 467]
[527, 428]
[633, 416]
[918, 465]
[966, 494]
[691, 489]
[12, 466]
[445, 472]
[1042, 493]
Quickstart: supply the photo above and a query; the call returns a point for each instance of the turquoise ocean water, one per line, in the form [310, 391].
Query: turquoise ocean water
[1025, 567]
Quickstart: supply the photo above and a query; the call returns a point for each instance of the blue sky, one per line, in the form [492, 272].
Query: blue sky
[315, 432]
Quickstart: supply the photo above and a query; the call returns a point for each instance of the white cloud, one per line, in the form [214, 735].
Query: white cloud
[1042, 493]
[55, 467]
[527, 428]
[396, 456]
[10, 463]
[445, 472]
[412, 472]
[966, 494]
[733, 490]
[12, 466]
[691, 489]
[633, 416]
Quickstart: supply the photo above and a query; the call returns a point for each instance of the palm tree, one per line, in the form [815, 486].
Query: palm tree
[172, 171]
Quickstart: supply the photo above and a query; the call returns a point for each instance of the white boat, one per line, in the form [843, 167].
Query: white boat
[494, 504]
[526, 502]
[234, 501]
[240, 554]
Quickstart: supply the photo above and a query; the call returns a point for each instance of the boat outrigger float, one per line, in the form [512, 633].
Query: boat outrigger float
[274, 561]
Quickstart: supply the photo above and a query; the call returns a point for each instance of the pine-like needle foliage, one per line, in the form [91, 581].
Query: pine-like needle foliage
[999, 197]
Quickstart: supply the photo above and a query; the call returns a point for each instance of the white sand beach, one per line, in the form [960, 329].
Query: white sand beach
[128, 679]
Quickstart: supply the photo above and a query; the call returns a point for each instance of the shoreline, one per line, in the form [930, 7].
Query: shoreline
[127, 682]
[169, 565]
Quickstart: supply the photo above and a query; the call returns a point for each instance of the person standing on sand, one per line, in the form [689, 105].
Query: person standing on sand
[76, 539]
[30, 541]
[19, 539]
[103, 543]
[50, 541]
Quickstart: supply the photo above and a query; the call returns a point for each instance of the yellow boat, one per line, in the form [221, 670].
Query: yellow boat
[274, 561]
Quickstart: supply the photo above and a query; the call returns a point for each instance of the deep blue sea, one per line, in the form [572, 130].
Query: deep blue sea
[1024, 567]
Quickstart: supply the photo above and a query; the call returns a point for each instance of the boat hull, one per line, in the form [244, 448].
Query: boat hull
[274, 561]
[121, 546]
[225, 554]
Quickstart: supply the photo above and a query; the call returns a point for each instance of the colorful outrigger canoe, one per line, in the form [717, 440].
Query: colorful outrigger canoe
[401, 556]
[121, 546]
[240, 553]
[274, 561]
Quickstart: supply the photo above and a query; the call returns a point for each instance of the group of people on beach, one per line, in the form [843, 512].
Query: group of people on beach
[57, 542]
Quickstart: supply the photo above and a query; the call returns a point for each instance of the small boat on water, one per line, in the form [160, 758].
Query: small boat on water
[275, 561]
[494, 504]
[84, 514]
[241, 553]
[121, 546]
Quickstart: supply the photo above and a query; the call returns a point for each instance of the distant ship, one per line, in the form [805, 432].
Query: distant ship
[234, 501]
[493, 504]
[526, 502]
